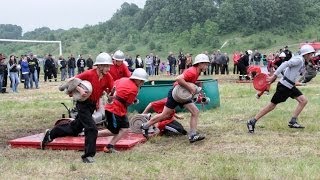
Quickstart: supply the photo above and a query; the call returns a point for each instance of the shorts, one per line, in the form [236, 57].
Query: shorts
[114, 122]
[171, 103]
[283, 93]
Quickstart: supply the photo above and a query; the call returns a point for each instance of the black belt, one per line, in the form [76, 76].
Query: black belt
[122, 101]
[289, 81]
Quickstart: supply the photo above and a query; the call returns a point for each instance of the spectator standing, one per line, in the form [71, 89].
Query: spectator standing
[212, 59]
[89, 62]
[33, 66]
[81, 64]
[71, 66]
[264, 59]
[288, 53]
[25, 71]
[182, 62]
[173, 63]
[225, 64]
[236, 56]
[149, 62]
[14, 68]
[130, 63]
[139, 62]
[49, 68]
[55, 69]
[218, 59]
[156, 65]
[257, 57]
[243, 63]
[63, 68]
[3, 87]
[168, 68]
[2, 71]
[153, 60]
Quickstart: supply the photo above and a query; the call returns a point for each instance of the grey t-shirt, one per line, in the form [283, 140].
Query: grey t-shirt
[292, 70]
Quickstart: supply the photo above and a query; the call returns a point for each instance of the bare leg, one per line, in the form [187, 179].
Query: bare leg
[192, 108]
[302, 102]
[118, 136]
[265, 110]
[104, 133]
[159, 117]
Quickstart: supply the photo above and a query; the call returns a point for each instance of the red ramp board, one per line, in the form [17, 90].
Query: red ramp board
[76, 143]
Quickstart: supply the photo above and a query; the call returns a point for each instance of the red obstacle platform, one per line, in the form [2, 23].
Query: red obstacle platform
[77, 143]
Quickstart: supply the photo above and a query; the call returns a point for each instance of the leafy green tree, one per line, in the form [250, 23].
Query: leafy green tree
[152, 45]
[196, 35]
[159, 47]
[130, 47]
[9, 31]
[91, 44]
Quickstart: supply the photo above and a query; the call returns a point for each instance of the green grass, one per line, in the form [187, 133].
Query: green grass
[228, 152]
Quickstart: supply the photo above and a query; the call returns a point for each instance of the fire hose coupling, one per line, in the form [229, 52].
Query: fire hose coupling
[205, 100]
[110, 95]
[136, 101]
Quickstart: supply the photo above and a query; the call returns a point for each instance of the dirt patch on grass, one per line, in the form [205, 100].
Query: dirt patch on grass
[8, 135]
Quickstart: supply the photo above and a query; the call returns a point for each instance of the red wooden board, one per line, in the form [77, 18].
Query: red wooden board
[77, 143]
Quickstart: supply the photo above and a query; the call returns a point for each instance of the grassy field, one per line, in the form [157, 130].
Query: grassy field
[228, 152]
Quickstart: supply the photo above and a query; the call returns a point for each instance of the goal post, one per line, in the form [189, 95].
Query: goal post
[34, 41]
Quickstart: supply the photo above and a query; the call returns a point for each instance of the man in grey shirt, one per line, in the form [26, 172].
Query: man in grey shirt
[286, 87]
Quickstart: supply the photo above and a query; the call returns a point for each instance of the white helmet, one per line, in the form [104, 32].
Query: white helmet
[139, 74]
[119, 56]
[201, 58]
[282, 54]
[103, 58]
[306, 49]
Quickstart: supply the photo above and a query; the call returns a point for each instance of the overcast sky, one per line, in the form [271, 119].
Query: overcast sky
[56, 14]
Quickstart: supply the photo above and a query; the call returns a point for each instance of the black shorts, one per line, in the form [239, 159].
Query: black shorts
[283, 93]
[114, 122]
[172, 104]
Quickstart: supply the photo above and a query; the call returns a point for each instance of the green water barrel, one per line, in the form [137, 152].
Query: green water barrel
[155, 90]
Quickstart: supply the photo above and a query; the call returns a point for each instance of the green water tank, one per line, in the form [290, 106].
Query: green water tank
[155, 90]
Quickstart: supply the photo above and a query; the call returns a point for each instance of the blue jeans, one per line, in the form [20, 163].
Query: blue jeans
[26, 80]
[71, 72]
[1, 80]
[14, 81]
[34, 78]
[149, 71]
[63, 74]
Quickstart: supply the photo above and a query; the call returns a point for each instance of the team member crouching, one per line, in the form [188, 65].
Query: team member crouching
[101, 81]
[126, 91]
[169, 126]
[286, 87]
[190, 75]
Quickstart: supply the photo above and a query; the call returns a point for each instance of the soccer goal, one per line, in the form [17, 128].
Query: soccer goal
[34, 41]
